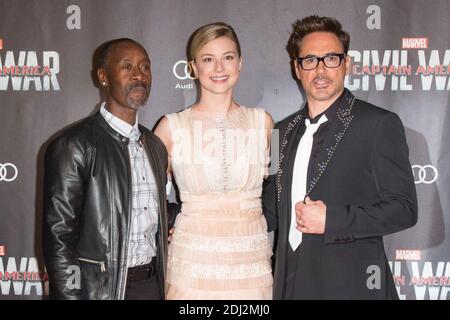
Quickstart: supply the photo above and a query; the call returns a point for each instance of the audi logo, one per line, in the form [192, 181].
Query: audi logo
[184, 73]
[425, 174]
[8, 172]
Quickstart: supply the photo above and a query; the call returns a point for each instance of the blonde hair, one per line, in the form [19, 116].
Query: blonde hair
[209, 32]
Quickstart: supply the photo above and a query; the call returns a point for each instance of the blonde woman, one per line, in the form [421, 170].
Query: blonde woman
[218, 152]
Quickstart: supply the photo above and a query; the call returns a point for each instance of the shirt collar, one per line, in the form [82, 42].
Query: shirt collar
[122, 127]
[330, 112]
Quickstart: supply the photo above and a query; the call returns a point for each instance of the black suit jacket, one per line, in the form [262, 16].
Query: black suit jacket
[363, 175]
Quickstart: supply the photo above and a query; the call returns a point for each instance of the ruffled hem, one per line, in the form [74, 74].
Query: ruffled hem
[181, 293]
[248, 283]
[194, 255]
[245, 225]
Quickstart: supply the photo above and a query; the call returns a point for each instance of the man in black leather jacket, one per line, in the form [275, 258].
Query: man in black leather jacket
[105, 210]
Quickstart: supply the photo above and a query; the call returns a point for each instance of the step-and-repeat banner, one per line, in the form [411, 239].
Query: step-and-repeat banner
[401, 62]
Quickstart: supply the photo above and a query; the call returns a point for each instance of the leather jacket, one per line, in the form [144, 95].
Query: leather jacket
[87, 209]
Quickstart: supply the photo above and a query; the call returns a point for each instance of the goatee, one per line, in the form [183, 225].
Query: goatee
[137, 103]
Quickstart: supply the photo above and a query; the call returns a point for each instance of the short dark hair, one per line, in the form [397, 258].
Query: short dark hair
[104, 50]
[100, 56]
[314, 23]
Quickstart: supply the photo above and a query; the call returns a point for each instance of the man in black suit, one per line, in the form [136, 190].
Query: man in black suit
[344, 179]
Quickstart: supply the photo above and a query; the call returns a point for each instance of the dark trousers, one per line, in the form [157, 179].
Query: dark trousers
[143, 283]
[291, 274]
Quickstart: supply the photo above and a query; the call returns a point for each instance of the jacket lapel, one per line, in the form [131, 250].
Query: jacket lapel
[338, 129]
[288, 149]
[158, 174]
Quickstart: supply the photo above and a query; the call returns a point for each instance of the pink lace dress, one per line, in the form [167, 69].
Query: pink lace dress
[220, 248]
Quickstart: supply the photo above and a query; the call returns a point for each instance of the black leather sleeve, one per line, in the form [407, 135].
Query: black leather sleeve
[65, 162]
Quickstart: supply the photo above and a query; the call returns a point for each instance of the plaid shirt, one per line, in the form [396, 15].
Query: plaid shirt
[144, 215]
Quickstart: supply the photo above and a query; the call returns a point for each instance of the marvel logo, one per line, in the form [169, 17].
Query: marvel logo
[2, 250]
[414, 43]
[408, 255]
[1, 43]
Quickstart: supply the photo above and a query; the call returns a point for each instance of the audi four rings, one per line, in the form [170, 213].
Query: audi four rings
[8, 172]
[425, 174]
[186, 70]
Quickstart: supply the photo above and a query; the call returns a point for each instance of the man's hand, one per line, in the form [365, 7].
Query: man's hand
[311, 216]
